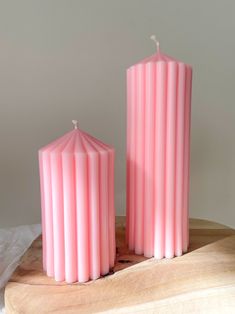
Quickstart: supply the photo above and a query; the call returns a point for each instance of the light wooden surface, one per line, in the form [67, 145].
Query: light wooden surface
[201, 281]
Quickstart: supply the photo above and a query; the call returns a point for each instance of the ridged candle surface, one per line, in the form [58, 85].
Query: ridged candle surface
[158, 147]
[77, 200]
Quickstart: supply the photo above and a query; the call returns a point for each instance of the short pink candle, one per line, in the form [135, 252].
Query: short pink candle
[158, 149]
[77, 200]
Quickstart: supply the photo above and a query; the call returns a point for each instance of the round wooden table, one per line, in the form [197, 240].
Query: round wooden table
[201, 281]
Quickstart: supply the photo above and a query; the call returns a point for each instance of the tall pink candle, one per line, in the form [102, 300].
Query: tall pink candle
[158, 146]
[77, 200]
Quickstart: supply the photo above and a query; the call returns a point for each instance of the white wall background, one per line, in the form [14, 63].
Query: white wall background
[61, 60]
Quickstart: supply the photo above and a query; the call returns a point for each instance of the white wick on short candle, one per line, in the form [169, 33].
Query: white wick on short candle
[75, 123]
[153, 37]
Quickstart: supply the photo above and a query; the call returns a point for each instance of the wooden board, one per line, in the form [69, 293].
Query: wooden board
[201, 281]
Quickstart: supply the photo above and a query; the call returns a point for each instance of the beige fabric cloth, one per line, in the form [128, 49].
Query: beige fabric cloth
[13, 243]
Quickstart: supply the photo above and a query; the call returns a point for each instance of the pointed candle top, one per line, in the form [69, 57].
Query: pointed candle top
[153, 37]
[75, 123]
[158, 56]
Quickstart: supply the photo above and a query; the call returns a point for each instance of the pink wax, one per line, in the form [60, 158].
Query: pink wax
[77, 200]
[158, 147]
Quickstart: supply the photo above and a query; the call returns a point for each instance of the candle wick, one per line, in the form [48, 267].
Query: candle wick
[153, 37]
[75, 123]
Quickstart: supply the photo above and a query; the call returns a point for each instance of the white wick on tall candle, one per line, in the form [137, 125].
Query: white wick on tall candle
[153, 37]
[75, 123]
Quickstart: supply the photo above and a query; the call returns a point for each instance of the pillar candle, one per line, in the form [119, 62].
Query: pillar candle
[158, 146]
[77, 201]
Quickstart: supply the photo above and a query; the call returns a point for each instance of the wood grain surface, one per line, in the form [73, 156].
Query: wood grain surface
[201, 281]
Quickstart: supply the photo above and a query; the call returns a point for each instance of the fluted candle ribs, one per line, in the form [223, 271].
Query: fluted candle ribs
[77, 200]
[158, 147]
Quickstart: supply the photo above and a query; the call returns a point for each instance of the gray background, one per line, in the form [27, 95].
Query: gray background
[64, 59]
